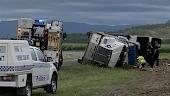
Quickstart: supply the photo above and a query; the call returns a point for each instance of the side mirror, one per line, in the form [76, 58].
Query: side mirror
[31, 42]
[64, 35]
[49, 59]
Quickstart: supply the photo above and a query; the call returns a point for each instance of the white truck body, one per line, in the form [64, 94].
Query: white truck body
[112, 44]
[19, 61]
[104, 50]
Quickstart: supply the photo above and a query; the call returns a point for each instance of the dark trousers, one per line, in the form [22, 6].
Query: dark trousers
[153, 62]
[143, 65]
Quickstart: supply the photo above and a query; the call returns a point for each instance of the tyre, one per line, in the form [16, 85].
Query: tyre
[52, 88]
[60, 61]
[25, 91]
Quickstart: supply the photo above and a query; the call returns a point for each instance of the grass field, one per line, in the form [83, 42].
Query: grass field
[88, 80]
[73, 46]
[165, 51]
[164, 55]
[165, 48]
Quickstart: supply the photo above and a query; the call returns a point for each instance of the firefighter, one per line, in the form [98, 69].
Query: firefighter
[156, 53]
[141, 63]
[150, 54]
[155, 56]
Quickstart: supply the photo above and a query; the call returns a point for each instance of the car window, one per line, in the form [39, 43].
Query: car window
[40, 55]
[2, 49]
[33, 55]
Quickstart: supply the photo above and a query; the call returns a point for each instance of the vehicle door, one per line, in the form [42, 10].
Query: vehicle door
[41, 68]
[3, 55]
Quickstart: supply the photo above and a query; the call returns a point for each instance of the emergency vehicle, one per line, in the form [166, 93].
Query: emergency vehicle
[46, 35]
[23, 68]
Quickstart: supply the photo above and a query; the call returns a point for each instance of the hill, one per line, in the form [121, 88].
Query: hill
[74, 27]
[155, 30]
[8, 28]
[77, 31]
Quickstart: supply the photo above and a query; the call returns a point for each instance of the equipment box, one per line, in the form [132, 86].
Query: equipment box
[25, 23]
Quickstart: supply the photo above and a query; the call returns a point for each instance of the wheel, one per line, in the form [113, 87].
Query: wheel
[25, 91]
[60, 62]
[52, 88]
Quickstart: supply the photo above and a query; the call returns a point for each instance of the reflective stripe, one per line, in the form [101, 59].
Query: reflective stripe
[15, 68]
[7, 68]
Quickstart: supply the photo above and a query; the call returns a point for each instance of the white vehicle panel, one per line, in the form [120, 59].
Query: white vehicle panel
[3, 54]
[21, 80]
[8, 84]
[108, 43]
[52, 54]
[115, 54]
[40, 71]
[95, 38]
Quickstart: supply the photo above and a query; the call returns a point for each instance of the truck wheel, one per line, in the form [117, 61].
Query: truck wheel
[52, 88]
[60, 62]
[26, 91]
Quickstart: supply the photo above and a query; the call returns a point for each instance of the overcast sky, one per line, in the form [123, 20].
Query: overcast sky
[109, 12]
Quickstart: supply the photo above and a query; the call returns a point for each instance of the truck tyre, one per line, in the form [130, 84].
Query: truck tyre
[52, 88]
[60, 60]
[25, 91]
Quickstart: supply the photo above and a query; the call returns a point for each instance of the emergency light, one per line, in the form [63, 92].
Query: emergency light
[40, 22]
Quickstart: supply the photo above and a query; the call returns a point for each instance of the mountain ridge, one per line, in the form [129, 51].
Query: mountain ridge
[8, 28]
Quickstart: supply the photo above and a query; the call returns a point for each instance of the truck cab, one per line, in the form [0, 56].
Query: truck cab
[24, 68]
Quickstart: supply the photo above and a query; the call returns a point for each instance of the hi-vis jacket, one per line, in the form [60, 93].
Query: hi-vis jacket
[141, 60]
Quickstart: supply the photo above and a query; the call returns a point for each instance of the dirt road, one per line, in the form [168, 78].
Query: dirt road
[71, 57]
[152, 84]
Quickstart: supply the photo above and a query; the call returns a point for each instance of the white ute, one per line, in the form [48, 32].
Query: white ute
[24, 68]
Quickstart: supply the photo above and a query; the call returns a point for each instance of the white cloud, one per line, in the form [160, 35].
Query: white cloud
[91, 11]
[146, 5]
[28, 10]
[8, 19]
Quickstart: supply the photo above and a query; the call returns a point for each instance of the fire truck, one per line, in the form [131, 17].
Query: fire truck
[46, 35]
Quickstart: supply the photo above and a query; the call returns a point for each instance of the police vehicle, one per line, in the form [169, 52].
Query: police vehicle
[24, 68]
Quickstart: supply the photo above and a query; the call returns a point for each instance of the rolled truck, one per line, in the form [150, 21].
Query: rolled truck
[105, 50]
[46, 35]
[24, 68]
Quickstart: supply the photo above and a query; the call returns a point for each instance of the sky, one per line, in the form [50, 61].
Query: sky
[107, 12]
